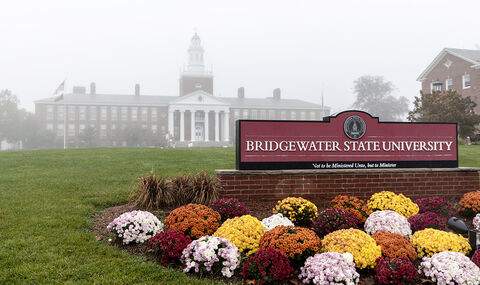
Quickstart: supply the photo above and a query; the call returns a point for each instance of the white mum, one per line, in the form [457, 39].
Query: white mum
[387, 221]
[450, 268]
[276, 220]
[135, 226]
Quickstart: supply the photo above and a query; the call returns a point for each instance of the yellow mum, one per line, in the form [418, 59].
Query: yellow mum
[299, 210]
[244, 232]
[363, 247]
[430, 241]
[387, 200]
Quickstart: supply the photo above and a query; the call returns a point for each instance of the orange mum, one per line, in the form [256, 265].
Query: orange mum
[470, 203]
[353, 204]
[194, 220]
[395, 245]
[296, 242]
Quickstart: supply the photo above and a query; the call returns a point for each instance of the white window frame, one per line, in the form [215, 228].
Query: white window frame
[465, 81]
[448, 86]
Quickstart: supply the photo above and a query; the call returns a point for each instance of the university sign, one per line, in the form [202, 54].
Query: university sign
[349, 140]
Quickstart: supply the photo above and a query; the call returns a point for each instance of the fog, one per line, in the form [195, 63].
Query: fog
[299, 46]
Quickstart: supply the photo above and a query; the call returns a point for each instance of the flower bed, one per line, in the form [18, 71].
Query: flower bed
[168, 246]
[332, 219]
[387, 200]
[395, 245]
[425, 220]
[387, 221]
[193, 220]
[395, 271]
[329, 268]
[450, 268]
[229, 208]
[430, 241]
[300, 211]
[135, 226]
[276, 220]
[267, 266]
[470, 203]
[356, 206]
[363, 247]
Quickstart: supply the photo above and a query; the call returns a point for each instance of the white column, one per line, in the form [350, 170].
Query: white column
[182, 125]
[217, 126]
[207, 131]
[192, 125]
[170, 123]
[226, 126]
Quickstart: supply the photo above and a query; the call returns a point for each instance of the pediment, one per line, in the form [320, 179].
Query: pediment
[199, 98]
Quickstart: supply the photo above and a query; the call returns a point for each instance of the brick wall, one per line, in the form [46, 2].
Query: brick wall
[320, 186]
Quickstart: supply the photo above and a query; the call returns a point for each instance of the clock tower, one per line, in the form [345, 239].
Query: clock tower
[194, 76]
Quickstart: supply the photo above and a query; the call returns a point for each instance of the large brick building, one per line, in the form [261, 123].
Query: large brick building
[195, 116]
[456, 69]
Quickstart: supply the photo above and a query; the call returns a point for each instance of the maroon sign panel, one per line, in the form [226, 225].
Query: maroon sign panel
[349, 140]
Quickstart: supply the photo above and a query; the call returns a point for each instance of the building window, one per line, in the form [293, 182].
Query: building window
[271, 114]
[437, 86]
[103, 130]
[113, 127]
[103, 113]
[60, 113]
[466, 81]
[312, 115]
[263, 114]
[82, 113]
[236, 114]
[293, 115]
[245, 114]
[113, 113]
[93, 113]
[283, 115]
[124, 113]
[49, 127]
[144, 114]
[81, 128]
[71, 113]
[49, 112]
[153, 114]
[60, 130]
[71, 130]
[449, 84]
[134, 113]
[253, 114]
[154, 129]
[303, 115]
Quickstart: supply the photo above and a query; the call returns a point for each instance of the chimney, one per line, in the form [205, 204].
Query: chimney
[79, 90]
[93, 88]
[241, 92]
[277, 94]
[137, 89]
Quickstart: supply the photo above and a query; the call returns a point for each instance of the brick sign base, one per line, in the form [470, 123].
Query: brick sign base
[265, 187]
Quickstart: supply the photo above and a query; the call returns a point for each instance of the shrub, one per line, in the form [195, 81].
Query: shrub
[276, 220]
[135, 226]
[435, 204]
[476, 258]
[395, 271]
[427, 220]
[430, 241]
[363, 247]
[205, 188]
[296, 242]
[182, 187]
[395, 245]
[267, 266]
[193, 220]
[229, 208]
[332, 219]
[470, 203]
[450, 268]
[153, 192]
[212, 256]
[387, 200]
[244, 232]
[330, 268]
[168, 246]
[387, 221]
[299, 210]
[353, 204]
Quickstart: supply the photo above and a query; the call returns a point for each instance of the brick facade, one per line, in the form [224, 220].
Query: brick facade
[321, 186]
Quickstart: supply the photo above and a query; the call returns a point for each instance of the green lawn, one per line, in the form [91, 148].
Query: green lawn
[48, 198]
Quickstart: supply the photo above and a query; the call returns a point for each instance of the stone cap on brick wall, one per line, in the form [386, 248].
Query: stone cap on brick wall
[315, 171]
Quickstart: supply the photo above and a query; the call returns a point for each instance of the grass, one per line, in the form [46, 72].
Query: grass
[48, 198]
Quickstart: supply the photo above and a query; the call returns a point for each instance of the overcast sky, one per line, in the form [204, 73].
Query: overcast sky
[298, 46]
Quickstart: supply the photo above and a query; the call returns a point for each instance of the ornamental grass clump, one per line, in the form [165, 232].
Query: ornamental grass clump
[395, 271]
[428, 242]
[450, 268]
[356, 206]
[211, 256]
[276, 220]
[363, 247]
[387, 221]
[329, 268]
[470, 203]
[267, 266]
[332, 219]
[229, 208]
[395, 245]
[244, 232]
[153, 192]
[299, 210]
[194, 220]
[296, 242]
[387, 200]
[435, 204]
[167, 246]
[135, 226]
[205, 188]
[426, 220]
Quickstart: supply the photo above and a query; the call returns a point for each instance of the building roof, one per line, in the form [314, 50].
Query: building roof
[469, 55]
[150, 100]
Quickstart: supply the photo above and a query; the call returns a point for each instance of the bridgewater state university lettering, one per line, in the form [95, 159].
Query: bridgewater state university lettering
[355, 146]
